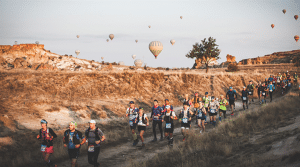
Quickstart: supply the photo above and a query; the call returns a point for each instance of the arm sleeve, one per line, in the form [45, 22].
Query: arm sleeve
[100, 132]
[127, 112]
[52, 133]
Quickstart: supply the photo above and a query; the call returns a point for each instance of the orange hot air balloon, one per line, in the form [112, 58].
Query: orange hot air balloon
[272, 25]
[296, 38]
[149, 26]
[283, 11]
[155, 47]
[172, 41]
[296, 17]
[111, 36]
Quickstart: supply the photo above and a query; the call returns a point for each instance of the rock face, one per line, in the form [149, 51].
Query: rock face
[198, 63]
[230, 58]
[274, 58]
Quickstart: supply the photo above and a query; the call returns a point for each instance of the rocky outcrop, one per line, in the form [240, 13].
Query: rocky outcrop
[274, 58]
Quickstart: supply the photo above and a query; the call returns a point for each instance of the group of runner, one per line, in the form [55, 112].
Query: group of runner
[73, 139]
[163, 117]
[208, 105]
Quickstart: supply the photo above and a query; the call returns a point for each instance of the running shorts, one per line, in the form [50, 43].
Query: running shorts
[73, 153]
[251, 93]
[133, 126]
[169, 130]
[140, 128]
[185, 125]
[231, 102]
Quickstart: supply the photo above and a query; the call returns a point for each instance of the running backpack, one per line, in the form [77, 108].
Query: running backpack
[97, 137]
[143, 119]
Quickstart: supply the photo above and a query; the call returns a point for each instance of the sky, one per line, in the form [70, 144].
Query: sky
[242, 28]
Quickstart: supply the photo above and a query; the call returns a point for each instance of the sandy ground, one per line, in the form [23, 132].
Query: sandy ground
[121, 155]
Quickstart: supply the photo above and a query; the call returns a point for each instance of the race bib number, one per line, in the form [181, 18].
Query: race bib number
[43, 148]
[244, 98]
[213, 111]
[250, 93]
[185, 120]
[91, 149]
[168, 125]
[200, 114]
[271, 90]
[130, 123]
[263, 93]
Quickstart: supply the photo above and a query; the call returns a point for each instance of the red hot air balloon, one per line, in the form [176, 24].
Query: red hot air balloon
[296, 37]
[283, 11]
[272, 25]
[296, 17]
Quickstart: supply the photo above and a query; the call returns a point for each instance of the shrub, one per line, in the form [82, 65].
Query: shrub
[232, 67]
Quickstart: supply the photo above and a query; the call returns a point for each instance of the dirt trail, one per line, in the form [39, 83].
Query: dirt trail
[120, 155]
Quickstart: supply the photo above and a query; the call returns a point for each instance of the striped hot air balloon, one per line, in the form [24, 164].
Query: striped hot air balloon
[155, 47]
[138, 63]
[296, 37]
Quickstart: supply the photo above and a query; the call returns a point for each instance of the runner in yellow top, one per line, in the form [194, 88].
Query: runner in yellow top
[223, 102]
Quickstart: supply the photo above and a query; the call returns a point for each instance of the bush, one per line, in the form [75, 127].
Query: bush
[232, 67]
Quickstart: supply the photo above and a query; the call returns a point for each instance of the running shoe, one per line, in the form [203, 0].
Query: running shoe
[154, 140]
[220, 118]
[200, 131]
[183, 139]
[143, 145]
[134, 143]
[232, 114]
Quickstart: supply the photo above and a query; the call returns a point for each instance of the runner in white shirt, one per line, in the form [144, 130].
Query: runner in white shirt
[142, 122]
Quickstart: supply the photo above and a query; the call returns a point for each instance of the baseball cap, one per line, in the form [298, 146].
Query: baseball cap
[141, 108]
[167, 106]
[230, 87]
[213, 97]
[206, 93]
[131, 102]
[92, 121]
[166, 99]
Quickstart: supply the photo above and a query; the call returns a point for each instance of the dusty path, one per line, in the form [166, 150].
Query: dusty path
[120, 155]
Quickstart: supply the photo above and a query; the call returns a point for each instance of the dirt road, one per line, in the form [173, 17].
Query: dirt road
[121, 155]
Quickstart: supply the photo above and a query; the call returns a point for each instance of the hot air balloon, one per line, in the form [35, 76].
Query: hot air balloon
[149, 26]
[155, 47]
[107, 40]
[296, 38]
[138, 63]
[37, 42]
[180, 17]
[133, 56]
[172, 41]
[283, 11]
[102, 58]
[136, 41]
[121, 63]
[296, 17]
[77, 52]
[272, 25]
[77, 36]
[111, 36]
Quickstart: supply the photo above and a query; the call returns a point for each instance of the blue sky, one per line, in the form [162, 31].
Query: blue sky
[242, 28]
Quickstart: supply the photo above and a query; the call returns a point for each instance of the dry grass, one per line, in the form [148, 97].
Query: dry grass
[218, 147]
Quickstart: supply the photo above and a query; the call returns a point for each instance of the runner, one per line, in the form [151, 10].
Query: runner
[223, 102]
[169, 126]
[167, 103]
[258, 87]
[288, 77]
[72, 139]
[231, 95]
[142, 122]
[206, 101]
[213, 110]
[245, 97]
[250, 89]
[46, 135]
[195, 102]
[266, 81]
[187, 100]
[94, 136]
[185, 116]
[278, 81]
[156, 115]
[201, 112]
[271, 89]
[282, 85]
[132, 113]
[295, 78]
[264, 93]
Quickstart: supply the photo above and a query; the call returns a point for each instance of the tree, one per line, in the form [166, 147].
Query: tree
[205, 52]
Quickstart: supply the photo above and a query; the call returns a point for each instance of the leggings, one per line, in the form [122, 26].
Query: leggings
[159, 126]
[93, 156]
[271, 95]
